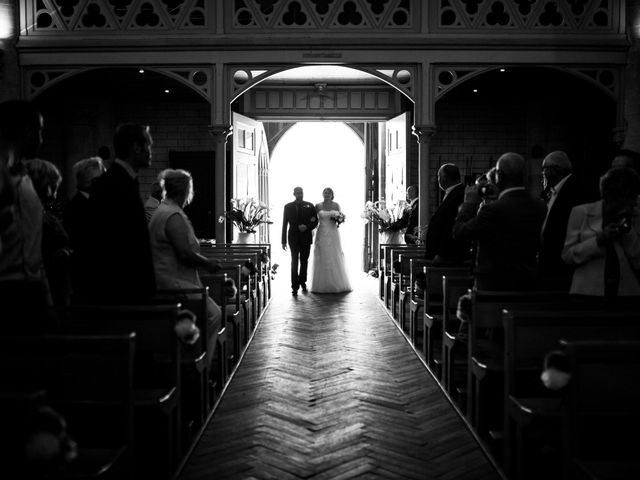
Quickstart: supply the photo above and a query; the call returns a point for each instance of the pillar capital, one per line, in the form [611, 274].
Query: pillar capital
[220, 132]
[423, 132]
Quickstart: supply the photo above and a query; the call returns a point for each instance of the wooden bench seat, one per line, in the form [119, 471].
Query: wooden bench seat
[85, 378]
[529, 407]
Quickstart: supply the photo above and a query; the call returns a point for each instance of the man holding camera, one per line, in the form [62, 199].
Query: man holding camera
[507, 230]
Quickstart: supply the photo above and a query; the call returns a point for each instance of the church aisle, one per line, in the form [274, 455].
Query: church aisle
[329, 389]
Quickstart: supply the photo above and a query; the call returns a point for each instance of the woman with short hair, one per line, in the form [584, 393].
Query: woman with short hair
[175, 247]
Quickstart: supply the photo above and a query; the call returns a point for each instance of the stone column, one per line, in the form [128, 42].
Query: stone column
[220, 134]
[632, 78]
[423, 133]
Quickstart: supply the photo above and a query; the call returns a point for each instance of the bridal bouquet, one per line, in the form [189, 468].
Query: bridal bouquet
[246, 214]
[338, 217]
[377, 212]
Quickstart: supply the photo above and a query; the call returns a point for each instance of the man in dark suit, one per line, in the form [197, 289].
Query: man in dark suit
[507, 230]
[440, 246]
[301, 218]
[120, 250]
[562, 192]
[76, 215]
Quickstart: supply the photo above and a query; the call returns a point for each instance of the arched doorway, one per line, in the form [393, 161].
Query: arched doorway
[315, 155]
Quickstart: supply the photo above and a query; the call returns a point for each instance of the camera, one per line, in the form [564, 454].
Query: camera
[624, 226]
[487, 190]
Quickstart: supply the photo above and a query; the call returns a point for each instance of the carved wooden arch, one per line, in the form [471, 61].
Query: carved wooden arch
[606, 79]
[198, 78]
[242, 78]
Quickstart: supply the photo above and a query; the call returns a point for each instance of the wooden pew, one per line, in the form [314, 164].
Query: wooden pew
[157, 381]
[528, 336]
[259, 281]
[196, 373]
[404, 288]
[265, 266]
[485, 349]
[601, 415]
[453, 350]
[221, 362]
[387, 268]
[416, 298]
[432, 317]
[88, 380]
[393, 277]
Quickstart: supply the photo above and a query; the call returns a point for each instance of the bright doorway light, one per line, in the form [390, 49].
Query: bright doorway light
[316, 155]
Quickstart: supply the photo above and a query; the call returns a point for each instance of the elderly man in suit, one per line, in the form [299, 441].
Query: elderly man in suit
[507, 230]
[562, 192]
[120, 249]
[440, 246]
[301, 218]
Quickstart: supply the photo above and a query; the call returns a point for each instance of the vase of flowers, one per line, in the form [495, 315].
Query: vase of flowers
[244, 237]
[385, 217]
[246, 215]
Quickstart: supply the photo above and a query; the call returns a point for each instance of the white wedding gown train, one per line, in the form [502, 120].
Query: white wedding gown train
[328, 270]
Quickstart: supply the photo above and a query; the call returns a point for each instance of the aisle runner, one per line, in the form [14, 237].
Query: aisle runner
[329, 389]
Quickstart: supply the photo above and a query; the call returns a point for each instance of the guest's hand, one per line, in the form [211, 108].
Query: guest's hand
[472, 194]
[213, 265]
[302, 227]
[610, 233]
[284, 246]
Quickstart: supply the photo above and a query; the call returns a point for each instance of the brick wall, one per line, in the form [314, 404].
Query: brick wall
[78, 131]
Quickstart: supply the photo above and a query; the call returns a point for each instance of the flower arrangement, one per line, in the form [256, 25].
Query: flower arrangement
[338, 217]
[377, 212]
[246, 214]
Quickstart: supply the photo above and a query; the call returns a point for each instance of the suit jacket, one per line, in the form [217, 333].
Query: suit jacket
[554, 272]
[508, 237]
[121, 250]
[439, 240]
[308, 216]
[582, 250]
[412, 222]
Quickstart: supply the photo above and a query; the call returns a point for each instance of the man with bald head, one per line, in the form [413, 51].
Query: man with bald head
[561, 192]
[507, 230]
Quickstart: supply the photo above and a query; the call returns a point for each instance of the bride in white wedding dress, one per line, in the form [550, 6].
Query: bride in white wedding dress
[328, 270]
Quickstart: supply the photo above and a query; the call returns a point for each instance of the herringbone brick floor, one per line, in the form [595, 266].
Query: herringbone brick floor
[329, 389]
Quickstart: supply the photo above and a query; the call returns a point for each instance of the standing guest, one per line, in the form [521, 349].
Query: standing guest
[175, 247]
[152, 203]
[21, 134]
[507, 230]
[603, 239]
[26, 292]
[122, 267]
[409, 219]
[562, 192]
[56, 249]
[76, 215]
[301, 218]
[626, 158]
[440, 246]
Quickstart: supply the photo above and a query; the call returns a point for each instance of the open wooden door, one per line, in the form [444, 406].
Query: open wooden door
[251, 164]
[395, 162]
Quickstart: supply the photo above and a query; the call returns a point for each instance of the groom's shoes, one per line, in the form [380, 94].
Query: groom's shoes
[294, 292]
[304, 287]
